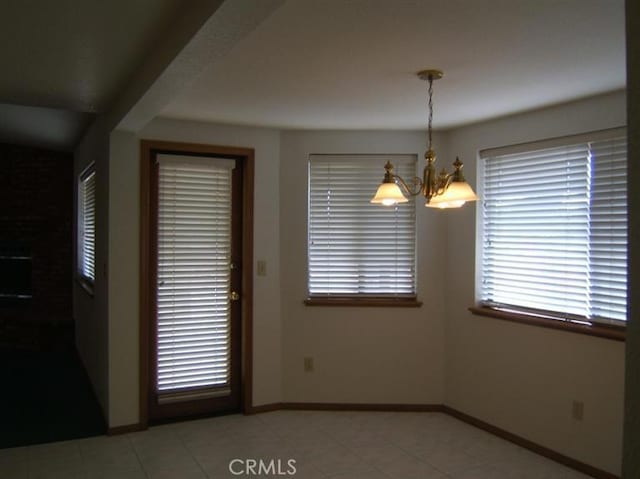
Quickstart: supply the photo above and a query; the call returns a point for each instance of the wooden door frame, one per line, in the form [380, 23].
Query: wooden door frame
[148, 150]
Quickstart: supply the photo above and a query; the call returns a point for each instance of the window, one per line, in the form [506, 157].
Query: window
[87, 224]
[357, 249]
[554, 228]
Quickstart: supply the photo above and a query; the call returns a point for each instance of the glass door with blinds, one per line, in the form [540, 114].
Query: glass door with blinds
[195, 333]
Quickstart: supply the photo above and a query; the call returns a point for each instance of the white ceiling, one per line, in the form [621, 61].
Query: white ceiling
[309, 64]
[75, 54]
[352, 63]
[65, 60]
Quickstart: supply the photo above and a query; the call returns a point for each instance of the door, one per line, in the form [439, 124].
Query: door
[196, 271]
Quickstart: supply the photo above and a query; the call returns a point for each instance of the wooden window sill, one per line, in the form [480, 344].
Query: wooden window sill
[364, 302]
[616, 333]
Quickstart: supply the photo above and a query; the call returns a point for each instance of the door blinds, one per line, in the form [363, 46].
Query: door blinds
[356, 248]
[194, 251]
[554, 226]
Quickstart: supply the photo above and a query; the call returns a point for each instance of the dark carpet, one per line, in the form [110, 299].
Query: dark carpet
[45, 397]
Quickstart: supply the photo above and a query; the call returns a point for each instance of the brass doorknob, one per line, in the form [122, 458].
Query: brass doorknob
[234, 296]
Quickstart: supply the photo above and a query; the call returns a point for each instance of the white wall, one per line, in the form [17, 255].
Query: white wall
[90, 311]
[124, 261]
[518, 377]
[107, 323]
[361, 355]
[267, 328]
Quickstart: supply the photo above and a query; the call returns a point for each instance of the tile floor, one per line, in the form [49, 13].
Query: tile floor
[337, 445]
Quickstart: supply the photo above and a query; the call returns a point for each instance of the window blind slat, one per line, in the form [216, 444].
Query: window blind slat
[554, 228]
[356, 248]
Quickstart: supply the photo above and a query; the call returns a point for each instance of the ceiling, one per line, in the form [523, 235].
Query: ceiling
[66, 60]
[352, 63]
[310, 64]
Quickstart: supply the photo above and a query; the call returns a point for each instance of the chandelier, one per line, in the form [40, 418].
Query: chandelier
[443, 190]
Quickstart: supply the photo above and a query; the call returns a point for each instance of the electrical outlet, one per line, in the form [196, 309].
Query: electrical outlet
[577, 410]
[308, 365]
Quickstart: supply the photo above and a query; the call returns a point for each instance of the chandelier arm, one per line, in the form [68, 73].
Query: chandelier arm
[415, 191]
[442, 182]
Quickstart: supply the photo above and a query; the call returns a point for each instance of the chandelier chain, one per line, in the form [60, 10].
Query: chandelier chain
[430, 109]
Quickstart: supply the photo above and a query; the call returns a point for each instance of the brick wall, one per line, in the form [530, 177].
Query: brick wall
[36, 208]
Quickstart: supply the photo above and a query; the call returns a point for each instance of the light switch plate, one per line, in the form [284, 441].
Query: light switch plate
[262, 267]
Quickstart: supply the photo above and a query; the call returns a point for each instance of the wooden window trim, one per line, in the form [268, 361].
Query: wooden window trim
[613, 332]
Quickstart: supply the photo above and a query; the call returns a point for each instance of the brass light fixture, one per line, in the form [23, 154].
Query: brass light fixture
[445, 190]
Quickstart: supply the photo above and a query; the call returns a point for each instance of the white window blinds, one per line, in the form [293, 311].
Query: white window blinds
[194, 259]
[356, 248]
[608, 229]
[87, 224]
[554, 227]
